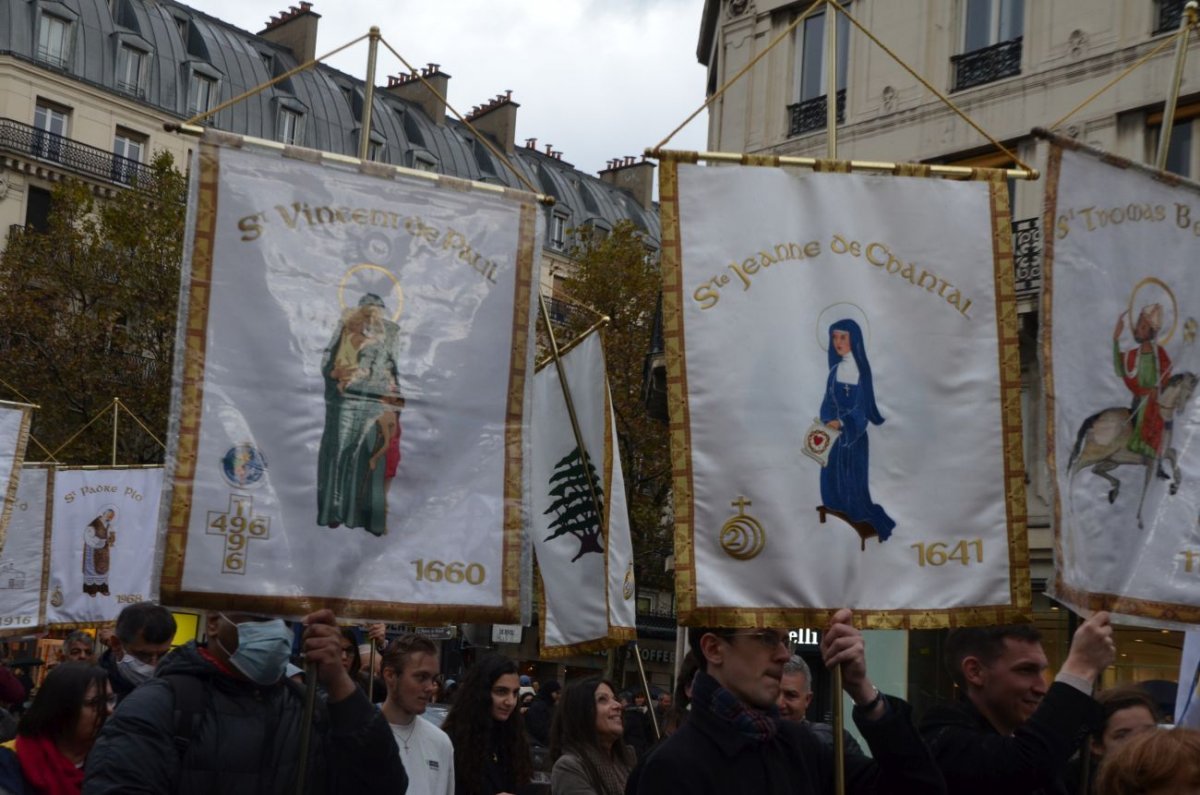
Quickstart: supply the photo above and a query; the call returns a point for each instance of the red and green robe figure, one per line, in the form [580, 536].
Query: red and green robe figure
[1144, 370]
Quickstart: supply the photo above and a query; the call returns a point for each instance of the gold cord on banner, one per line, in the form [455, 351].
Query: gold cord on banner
[547, 200]
[717, 94]
[1132, 68]
[570, 346]
[1024, 172]
[114, 407]
[263, 86]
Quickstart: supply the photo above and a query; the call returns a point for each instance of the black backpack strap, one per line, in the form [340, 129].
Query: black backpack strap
[189, 707]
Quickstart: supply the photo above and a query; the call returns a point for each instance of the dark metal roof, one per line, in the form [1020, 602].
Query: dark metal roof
[183, 40]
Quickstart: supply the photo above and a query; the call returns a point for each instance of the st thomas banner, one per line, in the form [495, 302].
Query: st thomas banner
[1120, 301]
[26, 555]
[585, 560]
[356, 354]
[843, 380]
[14, 436]
[104, 523]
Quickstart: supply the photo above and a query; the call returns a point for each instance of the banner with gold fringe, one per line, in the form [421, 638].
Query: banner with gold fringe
[25, 560]
[355, 351]
[843, 382]
[585, 561]
[1120, 302]
[14, 437]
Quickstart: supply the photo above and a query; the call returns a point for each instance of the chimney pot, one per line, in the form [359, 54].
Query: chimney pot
[549, 148]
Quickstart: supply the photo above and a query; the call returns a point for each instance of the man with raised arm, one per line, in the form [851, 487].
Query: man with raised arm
[223, 718]
[734, 741]
[1010, 734]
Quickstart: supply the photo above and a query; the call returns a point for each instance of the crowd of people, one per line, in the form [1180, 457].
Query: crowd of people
[234, 715]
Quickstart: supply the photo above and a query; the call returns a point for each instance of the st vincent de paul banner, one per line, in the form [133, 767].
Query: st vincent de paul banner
[585, 560]
[1120, 303]
[843, 381]
[356, 361]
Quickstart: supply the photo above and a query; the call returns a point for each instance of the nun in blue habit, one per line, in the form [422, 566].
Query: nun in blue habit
[849, 406]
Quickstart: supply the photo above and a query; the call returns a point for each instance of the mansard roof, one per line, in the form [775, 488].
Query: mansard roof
[182, 41]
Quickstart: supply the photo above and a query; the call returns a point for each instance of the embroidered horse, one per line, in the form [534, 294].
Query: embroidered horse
[1102, 443]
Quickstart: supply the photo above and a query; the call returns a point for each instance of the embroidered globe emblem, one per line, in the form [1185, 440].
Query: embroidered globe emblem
[243, 466]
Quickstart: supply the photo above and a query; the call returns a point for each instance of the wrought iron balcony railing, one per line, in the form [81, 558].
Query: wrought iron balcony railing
[71, 155]
[987, 65]
[809, 115]
[56, 58]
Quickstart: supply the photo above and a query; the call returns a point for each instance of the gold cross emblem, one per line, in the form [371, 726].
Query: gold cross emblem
[239, 526]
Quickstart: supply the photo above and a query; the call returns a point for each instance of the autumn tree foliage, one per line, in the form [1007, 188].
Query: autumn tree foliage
[87, 314]
[617, 275]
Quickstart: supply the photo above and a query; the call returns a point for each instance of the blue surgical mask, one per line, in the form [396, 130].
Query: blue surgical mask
[263, 650]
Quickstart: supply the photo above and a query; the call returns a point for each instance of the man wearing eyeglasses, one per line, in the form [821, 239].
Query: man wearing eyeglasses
[734, 741]
[143, 635]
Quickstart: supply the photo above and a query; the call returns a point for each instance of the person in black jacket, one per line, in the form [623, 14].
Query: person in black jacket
[1011, 734]
[733, 740]
[223, 718]
[540, 714]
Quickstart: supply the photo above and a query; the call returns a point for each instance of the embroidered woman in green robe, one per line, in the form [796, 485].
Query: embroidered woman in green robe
[360, 444]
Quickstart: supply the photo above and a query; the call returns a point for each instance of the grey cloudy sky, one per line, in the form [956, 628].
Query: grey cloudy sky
[598, 79]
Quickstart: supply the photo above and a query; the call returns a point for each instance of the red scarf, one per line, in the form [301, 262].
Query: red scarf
[46, 769]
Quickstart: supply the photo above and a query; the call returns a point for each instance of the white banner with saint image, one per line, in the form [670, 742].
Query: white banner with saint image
[883, 307]
[22, 602]
[352, 408]
[104, 527]
[1120, 304]
[586, 563]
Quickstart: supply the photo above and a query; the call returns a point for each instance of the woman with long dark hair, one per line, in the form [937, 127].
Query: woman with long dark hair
[56, 733]
[589, 755]
[491, 754]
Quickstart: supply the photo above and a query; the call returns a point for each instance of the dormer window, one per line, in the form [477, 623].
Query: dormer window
[54, 40]
[131, 70]
[202, 90]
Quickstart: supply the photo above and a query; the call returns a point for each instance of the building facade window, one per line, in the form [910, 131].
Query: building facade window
[1180, 156]
[202, 89]
[52, 123]
[1169, 13]
[992, 36]
[131, 70]
[54, 40]
[130, 149]
[289, 126]
[558, 231]
[423, 161]
[808, 112]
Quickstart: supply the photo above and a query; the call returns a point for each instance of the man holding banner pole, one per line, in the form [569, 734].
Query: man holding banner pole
[734, 741]
[223, 718]
[1013, 735]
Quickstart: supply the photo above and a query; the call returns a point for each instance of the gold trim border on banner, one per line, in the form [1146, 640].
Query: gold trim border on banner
[897, 168]
[1008, 359]
[1081, 599]
[617, 636]
[9, 499]
[44, 592]
[192, 399]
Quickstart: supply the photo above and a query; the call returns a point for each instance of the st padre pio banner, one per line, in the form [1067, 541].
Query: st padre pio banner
[356, 371]
[843, 380]
[1120, 302]
[25, 558]
[14, 436]
[104, 523]
[586, 561]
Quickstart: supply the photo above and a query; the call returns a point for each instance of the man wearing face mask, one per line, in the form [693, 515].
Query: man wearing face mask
[143, 635]
[224, 718]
